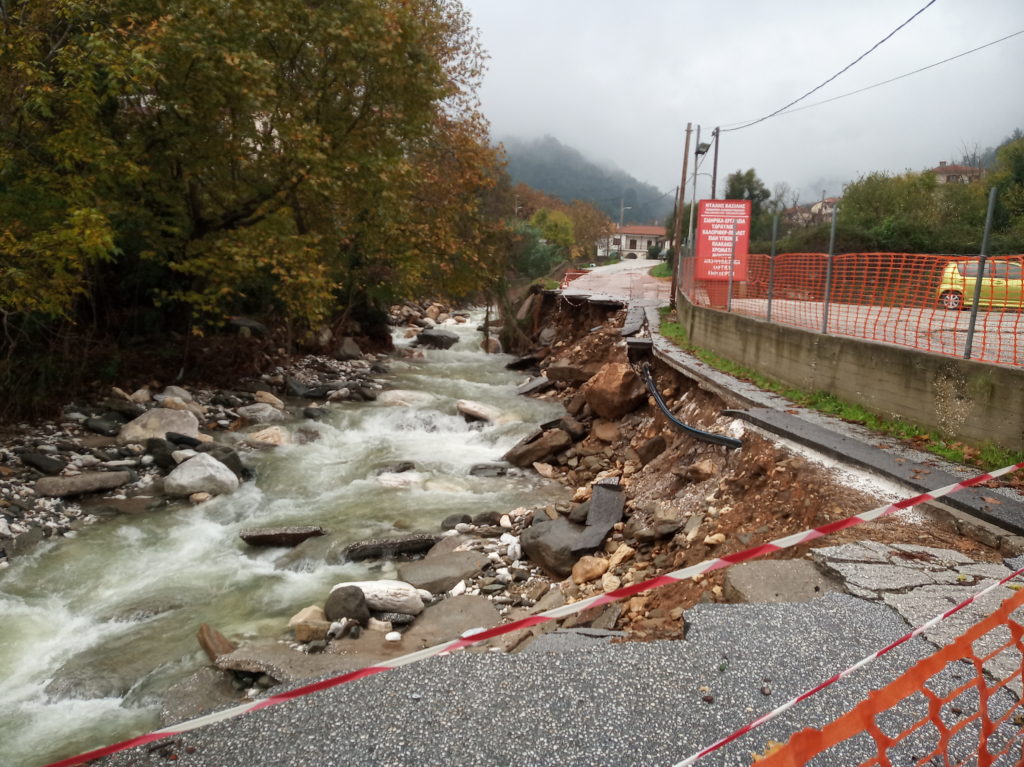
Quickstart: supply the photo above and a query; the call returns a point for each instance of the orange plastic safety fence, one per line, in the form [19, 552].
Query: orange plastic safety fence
[958, 706]
[907, 299]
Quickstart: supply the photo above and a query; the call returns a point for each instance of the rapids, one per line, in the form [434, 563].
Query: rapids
[97, 626]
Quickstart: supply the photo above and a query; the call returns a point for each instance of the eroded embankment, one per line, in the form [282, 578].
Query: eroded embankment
[685, 500]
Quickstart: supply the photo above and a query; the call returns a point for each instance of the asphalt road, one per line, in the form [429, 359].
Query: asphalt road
[628, 704]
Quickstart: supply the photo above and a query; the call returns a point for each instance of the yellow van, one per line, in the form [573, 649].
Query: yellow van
[1002, 284]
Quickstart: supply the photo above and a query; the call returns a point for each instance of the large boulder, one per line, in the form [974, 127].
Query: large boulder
[551, 545]
[476, 411]
[535, 448]
[156, 423]
[388, 596]
[440, 573]
[436, 338]
[202, 473]
[347, 602]
[615, 391]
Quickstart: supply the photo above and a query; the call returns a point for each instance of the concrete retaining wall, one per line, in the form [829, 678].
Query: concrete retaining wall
[971, 401]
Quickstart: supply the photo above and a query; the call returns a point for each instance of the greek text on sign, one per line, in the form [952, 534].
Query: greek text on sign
[715, 235]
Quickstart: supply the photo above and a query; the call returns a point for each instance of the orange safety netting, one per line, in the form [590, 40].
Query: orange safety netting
[959, 706]
[907, 299]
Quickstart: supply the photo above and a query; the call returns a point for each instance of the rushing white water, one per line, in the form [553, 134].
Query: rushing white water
[109, 617]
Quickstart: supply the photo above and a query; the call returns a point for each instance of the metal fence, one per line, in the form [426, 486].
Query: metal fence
[969, 307]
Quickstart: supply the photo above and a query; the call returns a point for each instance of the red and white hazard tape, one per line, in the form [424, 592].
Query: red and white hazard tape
[707, 566]
[842, 674]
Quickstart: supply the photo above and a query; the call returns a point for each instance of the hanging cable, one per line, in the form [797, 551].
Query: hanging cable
[891, 79]
[833, 77]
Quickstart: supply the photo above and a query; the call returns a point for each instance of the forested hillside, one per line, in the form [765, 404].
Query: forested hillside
[550, 166]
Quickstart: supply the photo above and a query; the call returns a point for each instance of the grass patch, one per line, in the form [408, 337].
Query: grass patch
[546, 283]
[986, 456]
[662, 270]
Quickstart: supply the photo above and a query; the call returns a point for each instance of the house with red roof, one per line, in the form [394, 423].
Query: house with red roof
[956, 174]
[631, 241]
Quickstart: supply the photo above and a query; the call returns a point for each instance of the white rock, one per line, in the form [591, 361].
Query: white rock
[458, 589]
[373, 624]
[502, 575]
[505, 521]
[156, 423]
[202, 473]
[180, 456]
[393, 636]
[388, 596]
[176, 391]
[425, 595]
[477, 411]
[515, 551]
[508, 539]
[464, 527]
[5, 529]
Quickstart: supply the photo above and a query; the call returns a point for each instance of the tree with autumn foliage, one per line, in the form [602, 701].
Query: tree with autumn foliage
[173, 162]
[588, 223]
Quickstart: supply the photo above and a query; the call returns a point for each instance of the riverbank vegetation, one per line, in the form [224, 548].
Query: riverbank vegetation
[167, 165]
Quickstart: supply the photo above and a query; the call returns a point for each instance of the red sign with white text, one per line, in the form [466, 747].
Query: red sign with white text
[715, 235]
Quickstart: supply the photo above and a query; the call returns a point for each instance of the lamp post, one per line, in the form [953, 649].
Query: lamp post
[702, 148]
[622, 212]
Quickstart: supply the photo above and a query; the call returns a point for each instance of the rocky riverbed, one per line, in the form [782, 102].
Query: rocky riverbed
[641, 498]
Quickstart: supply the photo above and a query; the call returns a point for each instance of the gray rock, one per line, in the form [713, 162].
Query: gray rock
[487, 518]
[279, 536]
[552, 544]
[103, 426]
[449, 522]
[43, 463]
[436, 338]
[348, 349]
[606, 504]
[347, 602]
[488, 470]
[438, 574]
[383, 548]
[201, 474]
[315, 413]
[227, 456]
[91, 482]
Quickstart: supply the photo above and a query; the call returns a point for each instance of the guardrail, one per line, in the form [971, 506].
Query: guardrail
[962, 306]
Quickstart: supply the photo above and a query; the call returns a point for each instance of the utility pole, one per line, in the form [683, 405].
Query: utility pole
[714, 169]
[677, 236]
[693, 200]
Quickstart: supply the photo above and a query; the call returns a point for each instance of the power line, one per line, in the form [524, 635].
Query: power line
[833, 77]
[898, 77]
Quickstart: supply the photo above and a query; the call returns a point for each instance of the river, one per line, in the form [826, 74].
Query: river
[112, 612]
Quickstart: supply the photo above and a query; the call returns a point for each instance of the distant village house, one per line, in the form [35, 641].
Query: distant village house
[956, 174]
[631, 241]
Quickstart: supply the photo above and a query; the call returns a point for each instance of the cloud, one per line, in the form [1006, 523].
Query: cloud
[619, 82]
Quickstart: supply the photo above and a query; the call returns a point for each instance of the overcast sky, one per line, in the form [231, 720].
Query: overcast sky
[619, 81]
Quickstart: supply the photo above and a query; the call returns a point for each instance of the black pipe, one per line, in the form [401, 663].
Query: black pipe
[706, 436]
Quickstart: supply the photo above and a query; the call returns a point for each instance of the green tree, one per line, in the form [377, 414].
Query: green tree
[554, 226]
[745, 185]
